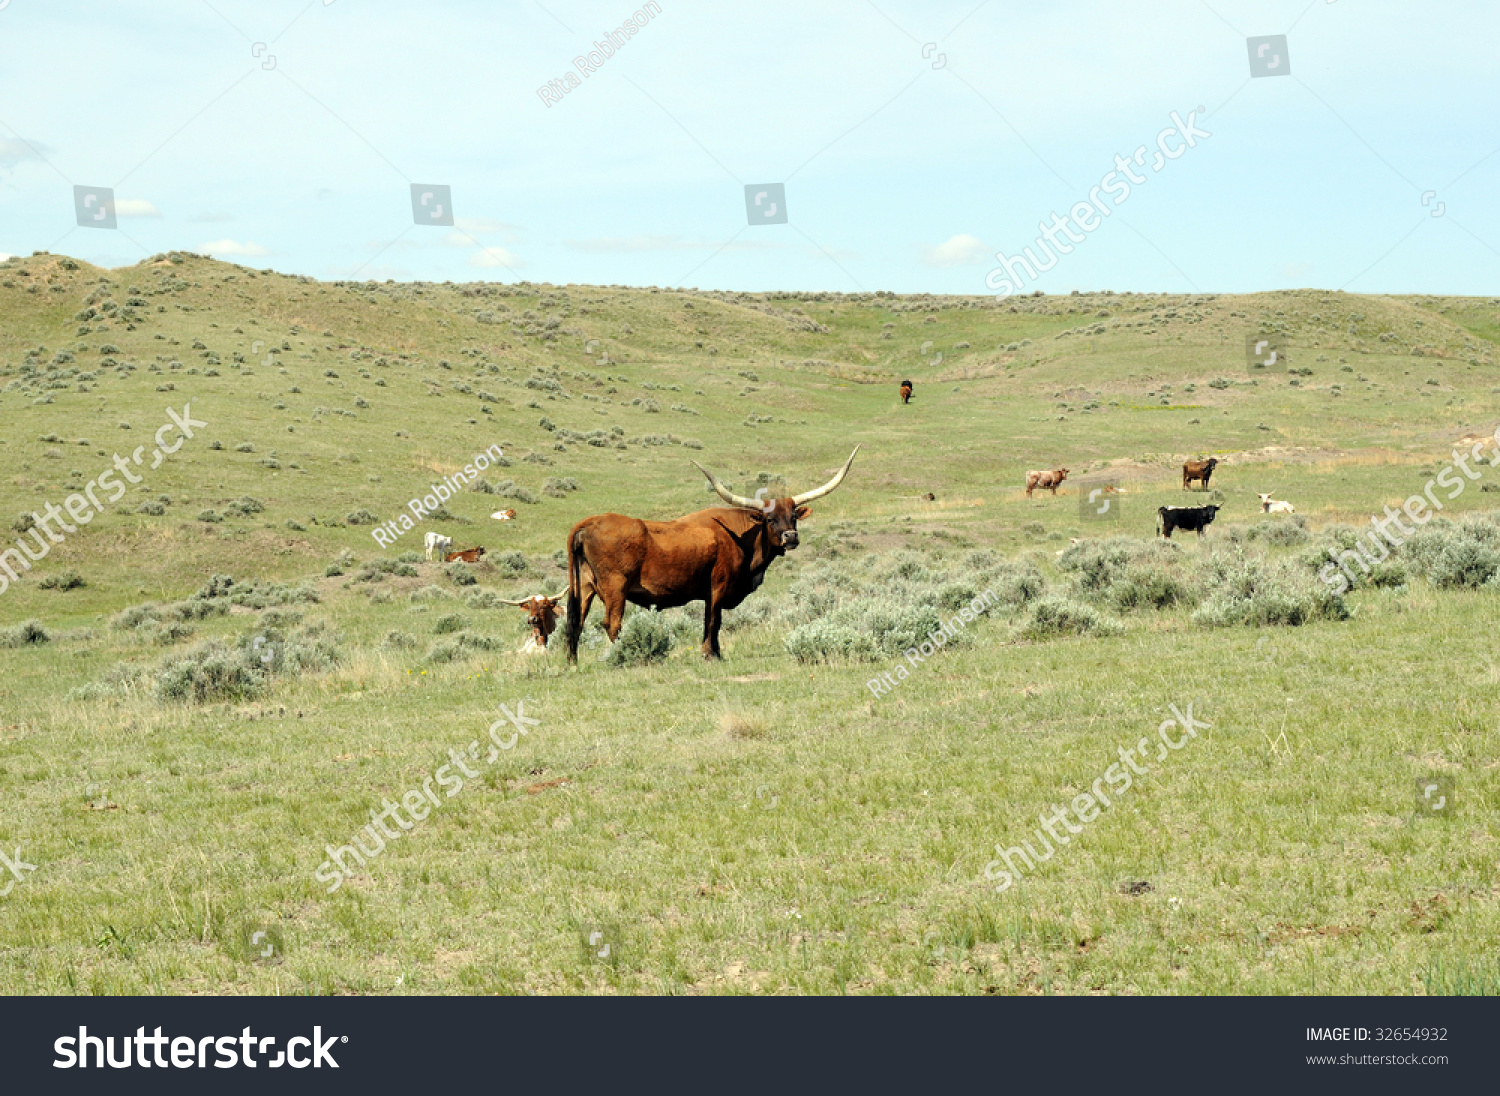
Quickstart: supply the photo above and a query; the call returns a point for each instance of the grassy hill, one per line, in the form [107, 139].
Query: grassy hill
[768, 823]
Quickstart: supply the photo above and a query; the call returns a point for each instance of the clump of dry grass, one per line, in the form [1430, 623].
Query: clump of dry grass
[736, 725]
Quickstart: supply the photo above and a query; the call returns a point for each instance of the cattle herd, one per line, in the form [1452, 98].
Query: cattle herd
[720, 556]
[1170, 518]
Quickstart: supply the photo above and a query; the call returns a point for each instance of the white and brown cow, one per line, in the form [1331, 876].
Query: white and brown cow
[1045, 480]
[541, 611]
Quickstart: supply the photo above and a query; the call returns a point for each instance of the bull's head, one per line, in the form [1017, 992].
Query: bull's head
[780, 515]
[542, 614]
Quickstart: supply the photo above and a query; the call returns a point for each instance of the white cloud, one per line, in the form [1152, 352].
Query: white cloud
[221, 248]
[135, 207]
[495, 256]
[4, 256]
[630, 244]
[484, 224]
[960, 250]
[13, 150]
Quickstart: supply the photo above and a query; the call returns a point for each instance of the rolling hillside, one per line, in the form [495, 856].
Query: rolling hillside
[770, 823]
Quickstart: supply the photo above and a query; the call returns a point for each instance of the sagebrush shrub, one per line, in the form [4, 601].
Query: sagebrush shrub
[1055, 615]
[1253, 591]
[644, 638]
[452, 622]
[1461, 554]
[27, 634]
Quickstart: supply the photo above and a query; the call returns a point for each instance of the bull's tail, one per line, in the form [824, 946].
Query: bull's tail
[575, 596]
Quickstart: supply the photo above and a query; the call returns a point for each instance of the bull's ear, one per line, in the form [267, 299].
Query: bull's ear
[802, 512]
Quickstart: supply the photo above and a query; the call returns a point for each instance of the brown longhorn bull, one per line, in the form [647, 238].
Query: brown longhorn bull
[906, 391]
[718, 557]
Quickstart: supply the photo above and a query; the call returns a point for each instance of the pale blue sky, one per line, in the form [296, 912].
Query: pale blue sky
[898, 175]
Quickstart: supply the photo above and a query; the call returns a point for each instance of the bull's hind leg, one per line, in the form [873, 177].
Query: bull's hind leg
[713, 617]
[585, 603]
[613, 596]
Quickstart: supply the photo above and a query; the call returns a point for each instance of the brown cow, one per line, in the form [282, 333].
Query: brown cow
[1198, 470]
[718, 557]
[1045, 480]
[468, 555]
[541, 611]
[906, 391]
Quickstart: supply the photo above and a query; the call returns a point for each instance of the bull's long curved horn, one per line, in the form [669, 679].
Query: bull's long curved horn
[527, 600]
[726, 494]
[817, 493]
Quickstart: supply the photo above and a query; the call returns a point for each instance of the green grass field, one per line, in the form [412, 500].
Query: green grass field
[765, 824]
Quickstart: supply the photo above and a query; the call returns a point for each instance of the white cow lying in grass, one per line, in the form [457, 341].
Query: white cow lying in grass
[436, 542]
[1268, 505]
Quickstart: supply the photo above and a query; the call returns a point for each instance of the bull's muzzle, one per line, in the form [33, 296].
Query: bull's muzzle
[789, 539]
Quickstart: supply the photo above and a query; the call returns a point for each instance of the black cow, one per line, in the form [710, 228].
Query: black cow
[1196, 518]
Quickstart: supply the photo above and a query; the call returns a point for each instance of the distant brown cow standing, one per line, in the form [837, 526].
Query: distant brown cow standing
[468, 555]
[541, 611]
[1198, 470]
[1045, 480]
[906, 391]
[718, 557]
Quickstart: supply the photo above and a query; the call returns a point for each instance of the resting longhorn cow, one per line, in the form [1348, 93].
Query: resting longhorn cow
[541, 613]
[718, 557]
[468, 555]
